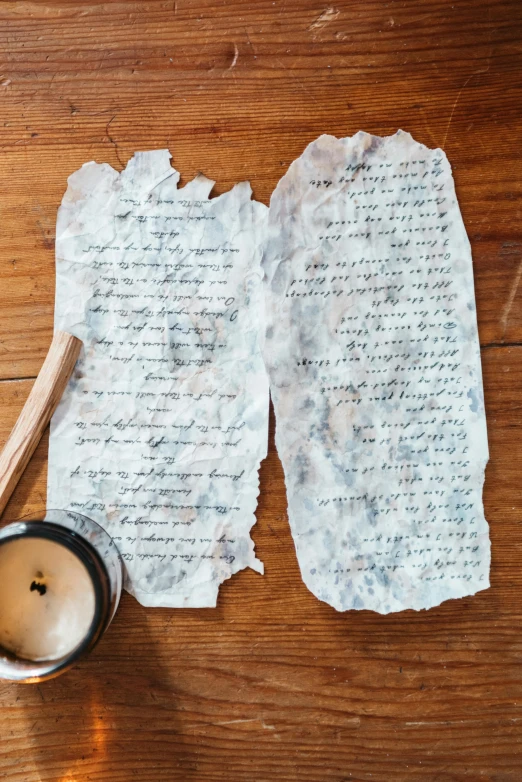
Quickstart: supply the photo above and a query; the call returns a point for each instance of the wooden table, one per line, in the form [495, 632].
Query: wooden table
[272, 684]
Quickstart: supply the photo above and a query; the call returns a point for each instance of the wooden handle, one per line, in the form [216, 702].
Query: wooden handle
[37, 411]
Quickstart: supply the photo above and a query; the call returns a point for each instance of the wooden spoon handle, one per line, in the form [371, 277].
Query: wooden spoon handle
[37, 411]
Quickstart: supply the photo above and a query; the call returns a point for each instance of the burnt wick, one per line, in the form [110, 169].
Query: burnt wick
[40, 588]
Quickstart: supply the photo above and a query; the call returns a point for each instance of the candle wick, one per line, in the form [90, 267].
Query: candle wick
[40, 588]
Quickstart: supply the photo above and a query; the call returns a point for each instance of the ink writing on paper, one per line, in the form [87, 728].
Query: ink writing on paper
[374, 365]
[161, 432]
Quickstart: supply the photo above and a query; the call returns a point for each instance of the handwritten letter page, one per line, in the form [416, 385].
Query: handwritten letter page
[374, 364]
[161, 432]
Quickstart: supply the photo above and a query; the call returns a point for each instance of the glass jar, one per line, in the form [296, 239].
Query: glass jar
[92, 546]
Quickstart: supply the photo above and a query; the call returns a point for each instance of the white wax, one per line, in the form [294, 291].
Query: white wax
[43, 626]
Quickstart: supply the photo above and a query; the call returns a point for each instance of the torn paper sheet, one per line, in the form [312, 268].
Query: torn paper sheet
[161, 431]
[375, 375]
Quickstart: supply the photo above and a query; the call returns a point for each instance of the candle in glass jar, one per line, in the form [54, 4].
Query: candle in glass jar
[47, 599]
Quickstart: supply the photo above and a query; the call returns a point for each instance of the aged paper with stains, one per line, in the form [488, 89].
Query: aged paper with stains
[161, 431]
[374, 365]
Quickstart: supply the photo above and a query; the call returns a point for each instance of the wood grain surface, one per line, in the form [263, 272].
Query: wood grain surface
[272, 684]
